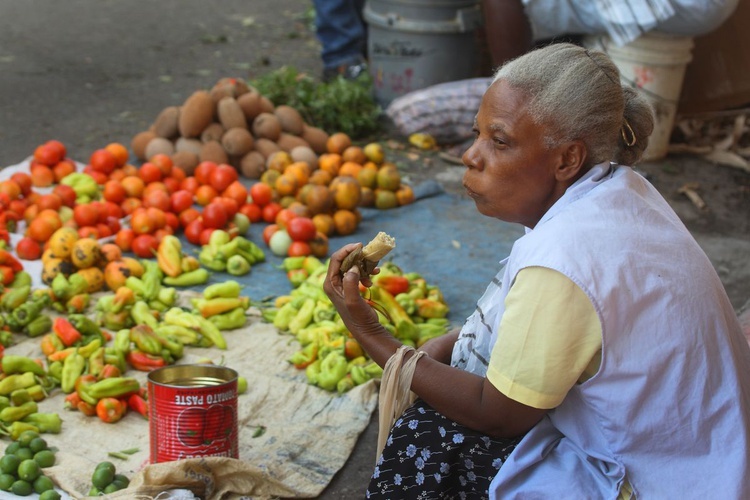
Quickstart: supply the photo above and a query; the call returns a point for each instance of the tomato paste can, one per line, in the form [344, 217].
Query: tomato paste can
[192, 412]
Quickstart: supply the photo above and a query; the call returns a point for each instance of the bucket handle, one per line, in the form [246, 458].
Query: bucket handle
[466, 20]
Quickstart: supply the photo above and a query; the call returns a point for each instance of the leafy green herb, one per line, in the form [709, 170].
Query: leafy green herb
[338, 106]
[259, 431]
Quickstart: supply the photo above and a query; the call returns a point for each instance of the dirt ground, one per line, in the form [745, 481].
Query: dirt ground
[90, 72]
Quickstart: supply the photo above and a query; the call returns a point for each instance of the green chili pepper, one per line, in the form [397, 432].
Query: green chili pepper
[38, 326]
[115, 357]
[167, 296]
[15, 297]
[145, 339]
[37, 392]
[114, 387]
[13, 413]
[46, 422]
[312, 372]
[229, 320]
[54, 370]
[16, 428]
[85, 325]
[190, 278]
[16, 381]
[141, 314]
[21, 278]
[20, 364]
[284, 316]
[122, 340]
[28, 311]
[19, 397]
[151, 278]
[303, 317]
[332, 369]
[96, 362]
[171, 343]
[137, 285]
[73, 367]
[4, 402]
[227, 289]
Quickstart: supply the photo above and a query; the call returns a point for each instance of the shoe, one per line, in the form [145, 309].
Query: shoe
[350, 71]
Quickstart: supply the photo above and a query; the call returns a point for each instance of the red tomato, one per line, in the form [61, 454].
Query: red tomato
[252, 211]
[144, 246]
[301, 229]
[66, 193]
[172, 221]
[205, 236]
[113, 223]
[181, 200]
[203, 171]
[188, 216]
[193, 231]
[28, 249]
[230, 206]
[222, 177]
[270, 211]
[214, 216]
[268, 232]
[284, 217]
[124, 239]
[261, 194]
[299, 249]
[102, 160]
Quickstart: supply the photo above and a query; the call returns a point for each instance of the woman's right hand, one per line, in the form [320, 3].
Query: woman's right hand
[343, 290]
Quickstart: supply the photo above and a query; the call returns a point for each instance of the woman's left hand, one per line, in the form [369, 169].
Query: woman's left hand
[343, 290]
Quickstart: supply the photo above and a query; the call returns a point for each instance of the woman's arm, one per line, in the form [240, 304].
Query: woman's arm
[459, 395]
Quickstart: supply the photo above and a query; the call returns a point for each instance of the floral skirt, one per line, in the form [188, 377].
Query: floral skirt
[429, 456]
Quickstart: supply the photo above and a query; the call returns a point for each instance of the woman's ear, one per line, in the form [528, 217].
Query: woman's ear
[572, 160]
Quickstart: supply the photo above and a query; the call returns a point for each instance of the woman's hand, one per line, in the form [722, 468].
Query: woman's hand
[343, 290]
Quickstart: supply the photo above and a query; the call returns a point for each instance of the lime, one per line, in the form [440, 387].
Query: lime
[122, 479]
[43, 483]
[9, 464]
[102, 477]
[38, 444]
[21, 488]
[6, 481]
[24, 453]
[29, 470]
[106, 465]
[45, 458]
[12, 448]
[26, 437]
[49, 495]
[111, 488]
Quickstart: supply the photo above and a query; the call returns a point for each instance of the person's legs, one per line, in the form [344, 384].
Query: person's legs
[429, 456]
[508, 29]
[342, 34]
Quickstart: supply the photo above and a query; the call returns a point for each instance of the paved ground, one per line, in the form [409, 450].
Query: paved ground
[89, 72]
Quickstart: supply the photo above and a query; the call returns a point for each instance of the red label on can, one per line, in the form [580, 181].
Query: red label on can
[193, 413]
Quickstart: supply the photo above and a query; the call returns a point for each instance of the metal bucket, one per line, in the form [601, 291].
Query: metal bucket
[192, 412]
[413, 44]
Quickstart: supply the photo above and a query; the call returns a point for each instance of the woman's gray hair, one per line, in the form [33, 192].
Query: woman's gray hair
[577, 93]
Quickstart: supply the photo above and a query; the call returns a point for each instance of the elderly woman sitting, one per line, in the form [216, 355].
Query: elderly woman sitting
[605, 358]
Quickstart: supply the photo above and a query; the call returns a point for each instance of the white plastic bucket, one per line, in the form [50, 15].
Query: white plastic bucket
[655, 64]
[412, 44]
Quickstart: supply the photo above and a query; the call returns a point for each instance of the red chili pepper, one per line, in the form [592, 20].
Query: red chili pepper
[66, 331]
[109, 371]
[7, 259]
[87, 409]
[393, 284]
[140, 405]
[6, 275]
[110, 410]
[144, 362]
[71, 401]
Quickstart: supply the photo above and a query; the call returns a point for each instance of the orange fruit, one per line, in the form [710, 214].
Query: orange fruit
[114, 192]
[345, 222]
[134, 186]
[355, 154]
[300, 170]
[350, 169]
[330, 162]
[11, 188]
[405, 195]
[279, 160]
[142, 223]
[346, 192]
[320, 177]
[286, 185]
[130, 205]
[324, 223]
[338, 142]
[40, 229]
[42, 176]
[367, 177]
[205, 194]
[119, 151]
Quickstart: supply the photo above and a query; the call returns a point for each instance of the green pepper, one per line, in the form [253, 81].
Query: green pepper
[122, 340]
[237, 265]
[38, 326]
[13, 413]
[167, 296]
[116, 321]
[190, 278]
[141, 314]
[18, 427]
[28, 311]
[145, 339]
[137, 285]
[172, 344]
[96, 362]
[157, 305]
[324, 311]
[19, 397]
[14, 297]
[4, 402]
[6, 337]
[85, 325]
[229, 320]
[345, 384]
[60, 287]
[358, 374]
[16, 381]
[151, 278]
[303, 317]
[114, 387]
[37, 392]
[332, 369]
[54, 370]
[312, 372]
[115, 357]
[304, 357]
[284, 316]
[187, 336]
[21, 278]
[46, 422]
[431, 308]
[296, 277]
[73, 367]
[227, 289]
[12, 363]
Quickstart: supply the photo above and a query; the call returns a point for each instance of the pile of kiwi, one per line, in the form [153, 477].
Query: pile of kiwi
[231, 123]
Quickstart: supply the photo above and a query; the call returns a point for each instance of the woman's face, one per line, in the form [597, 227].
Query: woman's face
[511, 174]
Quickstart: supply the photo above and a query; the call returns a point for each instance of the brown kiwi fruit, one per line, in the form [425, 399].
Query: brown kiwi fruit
[196, 114]
[316, 138]
[140, 141]
[237, 141]
[213, 132]
[213, 151]
[166, 123]
[159, 145]
[287, 142]
[266, 147]
[186, 160]
[230, 113]
[267, 126]
[252, 165]
[291, 120]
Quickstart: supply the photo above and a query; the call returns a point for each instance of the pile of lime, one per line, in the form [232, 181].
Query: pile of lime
[106, 480]
[21, 467]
